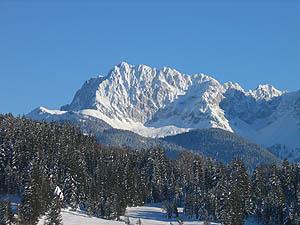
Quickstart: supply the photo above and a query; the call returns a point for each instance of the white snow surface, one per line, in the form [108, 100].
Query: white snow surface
[151, 214]
[158, 103]
[59, 193]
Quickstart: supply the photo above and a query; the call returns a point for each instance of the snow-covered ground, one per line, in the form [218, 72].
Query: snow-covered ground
[150, 214]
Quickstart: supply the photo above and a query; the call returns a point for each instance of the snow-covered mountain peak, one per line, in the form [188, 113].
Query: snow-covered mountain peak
[136, 94]
[131, 92]
[235, 86]
[124, 66]
[266, 92]
[157, 97]
[158, 102]
[41, 113]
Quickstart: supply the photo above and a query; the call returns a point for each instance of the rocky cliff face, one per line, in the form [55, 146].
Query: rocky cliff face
[131, 92]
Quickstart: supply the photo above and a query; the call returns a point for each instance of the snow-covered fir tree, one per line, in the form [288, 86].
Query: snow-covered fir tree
[53, 215]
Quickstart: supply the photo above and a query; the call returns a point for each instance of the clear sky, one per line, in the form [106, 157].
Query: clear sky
[49, 48]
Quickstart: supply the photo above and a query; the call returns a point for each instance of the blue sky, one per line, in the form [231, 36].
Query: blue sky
[49, 48]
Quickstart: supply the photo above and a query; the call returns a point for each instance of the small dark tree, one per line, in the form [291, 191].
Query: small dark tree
[170, 208]
[20, 219]
[53, 215]
[139, 222]
[127, 221]
[207, 222]
[180, 221]
[9, 216]
[175, 210]
[2, 212]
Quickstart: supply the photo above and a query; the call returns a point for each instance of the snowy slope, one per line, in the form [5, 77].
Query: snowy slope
[149, 215]
[160, 102]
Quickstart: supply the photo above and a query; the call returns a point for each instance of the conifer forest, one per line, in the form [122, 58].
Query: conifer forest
[37, 159]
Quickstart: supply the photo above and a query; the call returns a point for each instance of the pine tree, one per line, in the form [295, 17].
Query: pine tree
[240, 184]
[287, 177]
[274, 202]
[127, 221]
[170, 208]
[180, 221]
[138, 222]
[289, 215]
[222, 197]
[9, 216]
[257, 192]
[207, 222]
[31, 199]
[188, 209]
[2, 212]
[20, 218]
[71, 191]
[298, 199]
[175, 210]
[236, 208]
[297, 218]
[53, 215]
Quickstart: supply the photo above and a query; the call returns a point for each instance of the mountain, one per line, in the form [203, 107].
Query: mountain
[131, 140]
[223, 146]
[162, 102]
[86, 122]
[106, 134]
[215, 143]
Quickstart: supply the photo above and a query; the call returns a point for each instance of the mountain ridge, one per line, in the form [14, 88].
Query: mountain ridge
[161, 102]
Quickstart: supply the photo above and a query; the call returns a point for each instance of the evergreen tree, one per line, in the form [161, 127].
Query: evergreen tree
[236, 208]
[127, 221]
[257, 192]
[240, 184]
[20, 219]
[53, 215]
[180, 221]
[222, 197]
[9, 216]
[2, 212]
[71, 191]
[274, 203]
[289, 215]
[170, 208]
[189, 205]
[287, 178]
[298, 199]
[207, 222]
[36, 195]
[138, 222]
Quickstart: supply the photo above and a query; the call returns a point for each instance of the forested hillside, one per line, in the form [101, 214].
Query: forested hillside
[111, 137]
[37, 159]
[223, 146]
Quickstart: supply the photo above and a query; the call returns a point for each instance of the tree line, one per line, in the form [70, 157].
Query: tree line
[36, 158]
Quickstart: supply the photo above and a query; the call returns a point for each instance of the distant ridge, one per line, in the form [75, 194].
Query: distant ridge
[223, 146]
